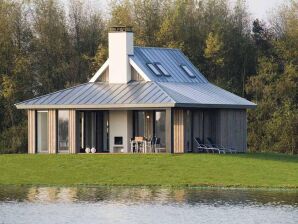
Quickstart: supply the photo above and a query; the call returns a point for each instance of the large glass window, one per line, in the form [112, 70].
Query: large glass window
[42, 131]
[63, 122]
[160, 127]
[94, 130]
[90, 129]
[144, 124]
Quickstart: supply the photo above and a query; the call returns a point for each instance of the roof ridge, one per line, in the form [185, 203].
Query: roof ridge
[172, 99]
[163, 48]
[173, 90]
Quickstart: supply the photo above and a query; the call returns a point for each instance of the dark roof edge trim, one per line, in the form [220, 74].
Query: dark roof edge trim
[94, 106]
[216, 106]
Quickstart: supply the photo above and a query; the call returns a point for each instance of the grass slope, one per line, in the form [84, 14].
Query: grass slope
[246, 170]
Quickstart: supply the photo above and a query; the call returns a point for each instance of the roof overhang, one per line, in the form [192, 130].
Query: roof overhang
[97, 107]
[135, 106]
[214, 106]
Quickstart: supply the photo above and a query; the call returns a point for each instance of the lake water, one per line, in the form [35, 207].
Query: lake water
[91, 205]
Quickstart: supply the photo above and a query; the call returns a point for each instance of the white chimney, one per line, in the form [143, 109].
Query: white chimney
[120, 47]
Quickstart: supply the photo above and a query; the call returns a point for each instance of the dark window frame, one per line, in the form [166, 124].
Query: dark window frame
[157, 64]
[151, 69]
[183, 66]
[36, 130]
[58, 149]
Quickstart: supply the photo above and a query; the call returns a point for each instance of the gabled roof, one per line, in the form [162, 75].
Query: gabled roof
[177, 90]
[138, 95]
[171, 59]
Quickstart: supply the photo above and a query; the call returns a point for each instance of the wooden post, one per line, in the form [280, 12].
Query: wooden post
[72, 131]
[31, 131]
[169, 131]
[52, 124]
[178, 131]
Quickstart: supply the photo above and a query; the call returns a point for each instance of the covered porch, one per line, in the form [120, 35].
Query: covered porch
[143, 130]
[122, 131]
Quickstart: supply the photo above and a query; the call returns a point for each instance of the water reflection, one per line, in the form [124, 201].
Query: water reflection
[77, 205]
[142, 195]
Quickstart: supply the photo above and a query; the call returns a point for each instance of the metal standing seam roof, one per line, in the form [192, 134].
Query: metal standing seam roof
[178, 90]
[100, 95]
[203, 95]
[138, 95]
[171, 59]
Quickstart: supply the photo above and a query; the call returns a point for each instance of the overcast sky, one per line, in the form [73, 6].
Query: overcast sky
[260, 8]
[257, 8]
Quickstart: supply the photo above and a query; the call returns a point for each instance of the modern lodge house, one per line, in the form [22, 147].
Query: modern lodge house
[139, 94]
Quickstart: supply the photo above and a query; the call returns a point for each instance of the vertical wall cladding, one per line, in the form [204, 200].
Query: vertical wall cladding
[31, 131]
[227, 127]
[169, 131]
[52, 120]
[105, 76]
[135, 75]
[198, 126]
[210, 126]
[233, 129]
[72, 131]
[178, 131]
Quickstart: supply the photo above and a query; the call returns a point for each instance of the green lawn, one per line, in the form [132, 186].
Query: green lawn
[245, 170]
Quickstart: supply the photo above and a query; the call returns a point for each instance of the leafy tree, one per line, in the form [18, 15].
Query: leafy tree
[273, 125]
[52, 46]
[214, 56]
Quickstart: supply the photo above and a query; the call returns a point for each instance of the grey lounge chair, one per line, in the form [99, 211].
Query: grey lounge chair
[230, 150]
[207, 147]
[200, 147]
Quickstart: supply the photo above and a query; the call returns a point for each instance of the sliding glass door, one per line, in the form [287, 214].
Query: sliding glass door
[150, 124]
[143, 121]
[63, 124]
[94, 130]
[160, 127]
[42, 131]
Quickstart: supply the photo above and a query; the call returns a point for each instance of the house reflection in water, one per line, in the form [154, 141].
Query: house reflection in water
[146, 195]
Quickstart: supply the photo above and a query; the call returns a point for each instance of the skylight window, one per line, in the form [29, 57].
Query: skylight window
[162, 69]
[154, 69]
[188, 71]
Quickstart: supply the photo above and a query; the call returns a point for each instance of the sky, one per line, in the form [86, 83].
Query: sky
[258, 8]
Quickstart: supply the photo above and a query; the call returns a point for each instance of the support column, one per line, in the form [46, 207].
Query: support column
[52, 124]
[72, 131]
[178, 131]
[169, 130]
[31, 131]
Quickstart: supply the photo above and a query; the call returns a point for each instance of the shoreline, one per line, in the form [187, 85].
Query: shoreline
[199, 187]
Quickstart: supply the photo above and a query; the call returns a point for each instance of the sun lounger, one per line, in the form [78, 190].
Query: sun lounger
[226, 149]
[206, 147]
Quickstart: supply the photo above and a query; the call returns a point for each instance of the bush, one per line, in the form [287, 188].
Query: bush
[14, 139]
